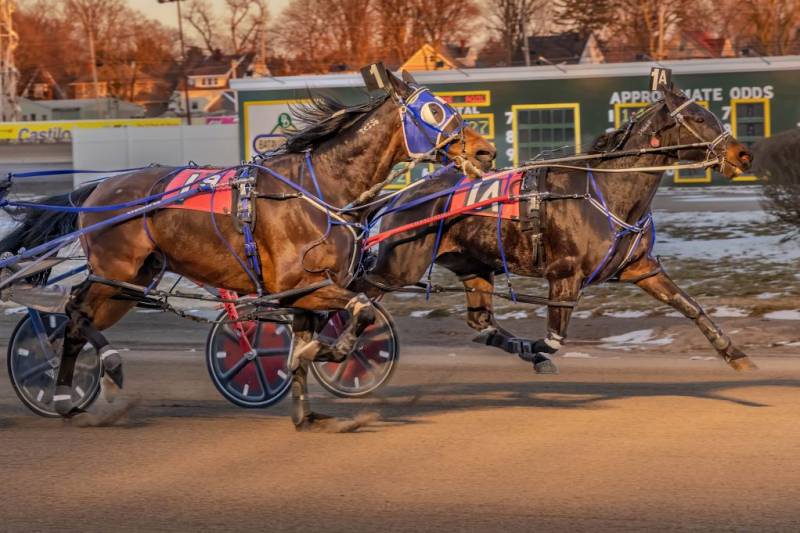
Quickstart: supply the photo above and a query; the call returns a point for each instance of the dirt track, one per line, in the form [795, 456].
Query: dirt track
[467, 441]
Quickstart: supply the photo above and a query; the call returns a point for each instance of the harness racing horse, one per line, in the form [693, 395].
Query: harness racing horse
[593, 226]
[301, 242]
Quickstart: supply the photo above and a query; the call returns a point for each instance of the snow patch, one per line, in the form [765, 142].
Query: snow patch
[627, 314]
[634, 338]
[582, 314]
[783, 315]
[768, 295]
[729, 312]
[577, 355]
[421, 314]
[516, 315]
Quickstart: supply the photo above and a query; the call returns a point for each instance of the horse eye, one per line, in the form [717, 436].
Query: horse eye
[699, 119]
[432, 113]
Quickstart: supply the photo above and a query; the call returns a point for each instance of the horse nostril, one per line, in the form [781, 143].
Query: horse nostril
[485, 155]
[745, 156]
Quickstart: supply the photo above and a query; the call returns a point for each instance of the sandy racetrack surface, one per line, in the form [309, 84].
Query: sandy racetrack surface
[466, 441]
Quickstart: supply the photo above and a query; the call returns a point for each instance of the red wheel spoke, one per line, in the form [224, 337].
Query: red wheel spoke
[337, 374]
[365, 363]
[377, 334]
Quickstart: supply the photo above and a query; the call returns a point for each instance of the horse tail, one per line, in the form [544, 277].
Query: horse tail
[37, 226]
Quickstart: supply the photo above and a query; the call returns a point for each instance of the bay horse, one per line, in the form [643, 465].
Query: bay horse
[343, 151]
[581, 236]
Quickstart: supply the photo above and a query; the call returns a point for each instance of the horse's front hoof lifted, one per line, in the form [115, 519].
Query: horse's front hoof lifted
[742, 364]
[543, 365]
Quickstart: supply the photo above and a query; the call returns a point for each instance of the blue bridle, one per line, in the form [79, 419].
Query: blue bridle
[429, 123]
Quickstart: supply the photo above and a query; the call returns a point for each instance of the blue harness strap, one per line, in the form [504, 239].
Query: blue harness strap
[500, 245]
[438, 241]
[641, 225]
[63, 240]
[66, 172]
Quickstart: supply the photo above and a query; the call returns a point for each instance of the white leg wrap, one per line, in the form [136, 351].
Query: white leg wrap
[107, 353]
[553, 340]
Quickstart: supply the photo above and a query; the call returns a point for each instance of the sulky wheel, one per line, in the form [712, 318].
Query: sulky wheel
[370, 365]
[249, 361]
[34, 354]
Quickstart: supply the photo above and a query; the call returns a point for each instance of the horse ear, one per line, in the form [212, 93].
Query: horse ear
[399, 86]
[408, 78]
[673, 96]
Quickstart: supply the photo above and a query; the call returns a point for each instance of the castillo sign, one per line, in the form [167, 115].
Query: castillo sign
[60, 131]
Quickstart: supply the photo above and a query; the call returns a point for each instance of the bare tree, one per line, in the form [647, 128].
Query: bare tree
[242, 20]
[303, 33]
[584, 16]
[98, 19]
[443, 21]
[512, 21]
[773, 23]
[200, 17]
[778, 164]
[349, 22]
[398, 38]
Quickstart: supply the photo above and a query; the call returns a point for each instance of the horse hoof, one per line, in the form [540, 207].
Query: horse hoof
[543, 365]
[62, 400]
[109, 389]
[742, 364]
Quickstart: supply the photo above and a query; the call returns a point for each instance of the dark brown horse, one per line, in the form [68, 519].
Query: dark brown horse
[577, 235]
[348, 150]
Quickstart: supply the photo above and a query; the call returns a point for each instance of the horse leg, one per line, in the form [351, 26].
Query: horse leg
[562, 290]
[480, 316]
[90, 310]
[307, 349]
[362, 315]
[650, 277]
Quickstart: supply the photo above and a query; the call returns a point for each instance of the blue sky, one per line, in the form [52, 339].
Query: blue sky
[166, 13]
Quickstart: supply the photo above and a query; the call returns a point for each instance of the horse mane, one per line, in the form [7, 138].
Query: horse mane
[608, 140]
[324, 117]
[611, 139]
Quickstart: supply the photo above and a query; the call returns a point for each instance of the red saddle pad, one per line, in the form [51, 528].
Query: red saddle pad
[490, 188]
[191, 178]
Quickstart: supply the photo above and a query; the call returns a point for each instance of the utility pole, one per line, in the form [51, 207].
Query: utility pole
[184, 77]
[93, 59]
[525, 49]
[660, 54]
[9, 75]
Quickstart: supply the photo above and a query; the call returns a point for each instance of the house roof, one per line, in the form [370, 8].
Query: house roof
[560, 48]
[714, 46]
[218, 64]
[430, 57]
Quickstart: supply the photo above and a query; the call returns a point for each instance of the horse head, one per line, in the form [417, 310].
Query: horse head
[433, 130]
[685, 122]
